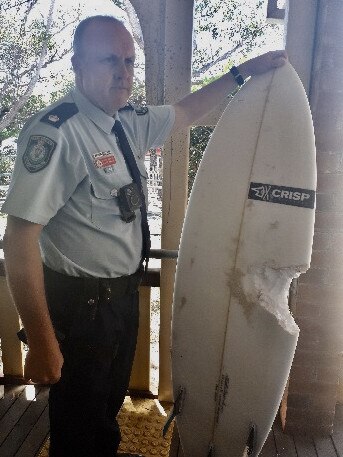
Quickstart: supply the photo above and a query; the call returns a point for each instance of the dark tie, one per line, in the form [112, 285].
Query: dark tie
[136, 176]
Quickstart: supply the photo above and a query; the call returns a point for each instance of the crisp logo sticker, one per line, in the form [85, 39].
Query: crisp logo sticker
[283, 195]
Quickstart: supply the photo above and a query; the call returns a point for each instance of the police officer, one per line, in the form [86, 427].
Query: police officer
[77, 233]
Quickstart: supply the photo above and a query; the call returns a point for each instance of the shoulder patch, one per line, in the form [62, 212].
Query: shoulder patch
[57, 116]
[127, 107]
[38, 153]
[141, 110]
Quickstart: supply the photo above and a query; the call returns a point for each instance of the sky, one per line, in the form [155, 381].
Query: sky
[90, 7]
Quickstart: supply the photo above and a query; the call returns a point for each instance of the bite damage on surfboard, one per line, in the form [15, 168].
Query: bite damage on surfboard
[268, 287]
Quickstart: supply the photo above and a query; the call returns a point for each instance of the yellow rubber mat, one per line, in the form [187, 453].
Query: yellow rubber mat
[141, 422]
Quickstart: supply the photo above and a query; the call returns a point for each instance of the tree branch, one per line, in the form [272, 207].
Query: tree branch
[20, 102]
[29, 3]
[196, 73]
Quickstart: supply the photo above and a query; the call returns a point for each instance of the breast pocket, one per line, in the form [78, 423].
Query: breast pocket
[104, 204]
[105, 210]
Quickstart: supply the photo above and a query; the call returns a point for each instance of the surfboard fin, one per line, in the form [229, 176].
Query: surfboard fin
[251, 441]
[177, 408]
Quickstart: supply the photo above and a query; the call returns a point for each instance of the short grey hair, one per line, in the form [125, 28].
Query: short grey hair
[80, 29]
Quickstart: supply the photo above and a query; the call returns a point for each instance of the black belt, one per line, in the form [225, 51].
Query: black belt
[96, 288]
[95, 291]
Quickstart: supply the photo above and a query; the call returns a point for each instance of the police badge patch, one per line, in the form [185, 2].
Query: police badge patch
[38, 153]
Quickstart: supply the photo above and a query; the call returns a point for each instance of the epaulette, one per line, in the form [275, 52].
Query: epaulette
[139, 109]
[61, 113]
[127, 107]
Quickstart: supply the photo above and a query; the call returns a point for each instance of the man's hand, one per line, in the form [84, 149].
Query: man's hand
[197, 104]
[43, 366]
[24, 271]
[263, 63]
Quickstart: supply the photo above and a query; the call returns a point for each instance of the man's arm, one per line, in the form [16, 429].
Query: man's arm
[24, 272]
[201, 102]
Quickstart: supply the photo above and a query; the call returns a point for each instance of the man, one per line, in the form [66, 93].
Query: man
[76, 235]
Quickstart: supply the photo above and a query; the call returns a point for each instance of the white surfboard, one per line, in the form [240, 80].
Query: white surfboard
[248, 231]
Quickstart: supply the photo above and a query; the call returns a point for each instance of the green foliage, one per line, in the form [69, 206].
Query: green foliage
[34, 104]
[225, 32]
[6, 162]
[198, 142]
[16, 4]
[62, 87]
[23, 34]
[7, 159]
[138, 95]
[20, 45]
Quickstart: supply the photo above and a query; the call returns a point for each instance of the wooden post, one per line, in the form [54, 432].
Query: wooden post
[168, 50]
[179, 27]
[140, 374]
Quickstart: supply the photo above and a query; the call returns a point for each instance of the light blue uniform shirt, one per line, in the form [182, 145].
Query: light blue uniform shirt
[66, 177]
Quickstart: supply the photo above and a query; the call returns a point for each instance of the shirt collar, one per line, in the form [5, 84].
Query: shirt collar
[95, 114]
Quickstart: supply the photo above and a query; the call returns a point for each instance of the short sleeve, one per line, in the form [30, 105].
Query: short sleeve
[149, 128]
[46, 173]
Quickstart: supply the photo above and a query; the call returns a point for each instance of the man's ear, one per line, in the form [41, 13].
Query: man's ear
[75, 61]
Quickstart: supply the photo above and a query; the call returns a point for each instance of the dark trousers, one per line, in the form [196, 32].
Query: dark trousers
[96, 321]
